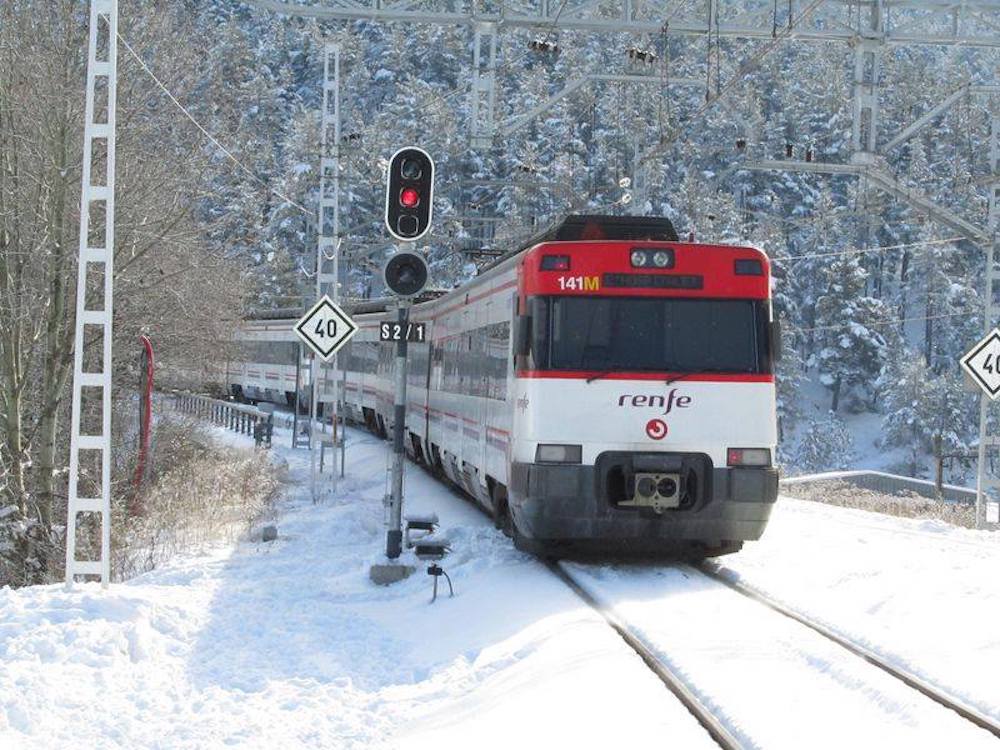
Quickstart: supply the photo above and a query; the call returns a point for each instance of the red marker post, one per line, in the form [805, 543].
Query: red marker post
[145, 416]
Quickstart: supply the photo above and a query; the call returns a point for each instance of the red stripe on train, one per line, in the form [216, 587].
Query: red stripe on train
[701, 377]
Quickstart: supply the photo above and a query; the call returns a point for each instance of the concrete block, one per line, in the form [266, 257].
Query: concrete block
[386, 574]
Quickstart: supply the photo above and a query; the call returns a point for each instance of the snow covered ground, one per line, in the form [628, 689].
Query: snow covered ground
[288, 644]
[922, 592]
[773, 682]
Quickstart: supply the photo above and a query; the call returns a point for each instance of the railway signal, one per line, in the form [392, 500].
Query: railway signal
[409, 194]
[405, 274]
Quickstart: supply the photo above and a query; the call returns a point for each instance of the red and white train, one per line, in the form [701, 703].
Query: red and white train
[605, 387]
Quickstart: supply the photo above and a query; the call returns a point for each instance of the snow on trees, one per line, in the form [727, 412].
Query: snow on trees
[923, 411]
[826, 445]
[851, 331]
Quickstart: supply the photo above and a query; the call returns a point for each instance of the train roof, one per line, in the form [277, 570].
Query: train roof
[596, 227]
[583, 227]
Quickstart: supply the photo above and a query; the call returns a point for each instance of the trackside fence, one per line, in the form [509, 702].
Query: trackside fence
[241, 418]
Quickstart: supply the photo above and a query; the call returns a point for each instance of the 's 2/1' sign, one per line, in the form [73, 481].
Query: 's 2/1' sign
[416, 332]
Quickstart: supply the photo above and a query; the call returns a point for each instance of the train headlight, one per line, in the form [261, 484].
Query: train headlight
[657, 257]
[558, 454]
[748, 457]
[645, 487]
[667, 487]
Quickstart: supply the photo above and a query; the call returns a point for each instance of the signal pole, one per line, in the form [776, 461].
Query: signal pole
[409, 201]
[394, 536]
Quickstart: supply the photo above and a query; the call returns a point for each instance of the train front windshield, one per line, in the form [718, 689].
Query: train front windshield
[651, 334]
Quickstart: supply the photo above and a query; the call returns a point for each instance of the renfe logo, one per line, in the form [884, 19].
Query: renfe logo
[656, 429]
[667, 403]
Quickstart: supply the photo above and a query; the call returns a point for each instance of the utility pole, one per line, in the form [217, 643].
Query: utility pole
[96, 255]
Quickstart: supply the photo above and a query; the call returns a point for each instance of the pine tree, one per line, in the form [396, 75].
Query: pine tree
[921, 408]
[906, 388]
[826, 445]
[851, 330]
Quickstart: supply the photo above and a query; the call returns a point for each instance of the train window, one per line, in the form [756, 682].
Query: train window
[655, 334]
[418, 369]
[474, 362]
[539, 307]
[269, 352]
[497, 351]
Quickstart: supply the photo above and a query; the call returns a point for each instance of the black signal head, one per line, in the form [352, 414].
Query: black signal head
[409, 195]
[405, 274]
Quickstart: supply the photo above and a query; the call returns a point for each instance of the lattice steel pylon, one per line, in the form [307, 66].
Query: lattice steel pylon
[483, 94]
[96, 260]
[988, 437]
[865, 88]
[327, 244]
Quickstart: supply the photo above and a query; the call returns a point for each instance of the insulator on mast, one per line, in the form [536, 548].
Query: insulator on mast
[635, 54]
[544, 46]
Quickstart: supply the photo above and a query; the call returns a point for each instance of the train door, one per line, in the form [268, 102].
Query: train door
[481, 387]
[468, 412]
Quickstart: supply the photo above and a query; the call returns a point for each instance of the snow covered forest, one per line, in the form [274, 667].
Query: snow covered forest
[872, 336]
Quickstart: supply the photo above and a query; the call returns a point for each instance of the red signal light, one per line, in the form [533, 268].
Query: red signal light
[409, 197]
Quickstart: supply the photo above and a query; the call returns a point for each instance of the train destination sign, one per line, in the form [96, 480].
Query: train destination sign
[982, 362]
[325, 328]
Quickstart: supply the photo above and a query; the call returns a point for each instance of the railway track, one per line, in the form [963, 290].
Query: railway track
[712, 724]
[938, 695]
[845, 673]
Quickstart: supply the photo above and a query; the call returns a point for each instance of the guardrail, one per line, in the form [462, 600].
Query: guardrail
[241, 418]
[880, 481]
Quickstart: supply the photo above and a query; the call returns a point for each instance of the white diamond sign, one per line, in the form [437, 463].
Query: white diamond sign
[982, 363]
[325, 328]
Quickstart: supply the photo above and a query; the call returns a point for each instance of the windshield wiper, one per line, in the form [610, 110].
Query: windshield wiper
[599, 375]
[614, 367]
[618, 367]
[688, 374]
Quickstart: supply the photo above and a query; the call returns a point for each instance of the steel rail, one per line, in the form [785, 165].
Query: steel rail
[718, 731]
[721, 574]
